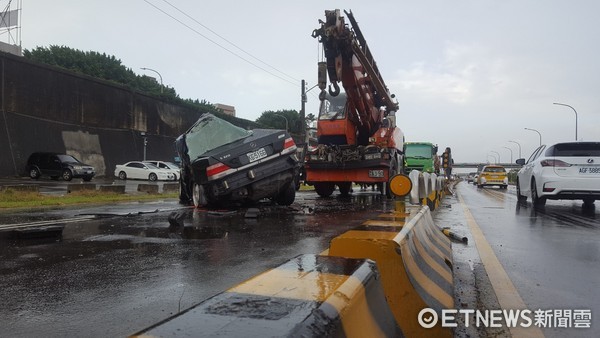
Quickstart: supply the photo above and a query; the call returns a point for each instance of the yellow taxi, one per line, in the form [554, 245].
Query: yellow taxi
[493, 175]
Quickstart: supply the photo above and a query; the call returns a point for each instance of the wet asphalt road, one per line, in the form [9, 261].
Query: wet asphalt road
[552, 255]
[118, 269]
[124, 269]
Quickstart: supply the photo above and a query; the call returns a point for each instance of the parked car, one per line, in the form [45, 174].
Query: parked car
[167, 166]
[58, 165]
[569, 170]
[222, 162]
[492, 175]
[142, 171]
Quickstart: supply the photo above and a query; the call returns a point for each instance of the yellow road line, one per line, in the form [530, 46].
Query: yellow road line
[507, 294]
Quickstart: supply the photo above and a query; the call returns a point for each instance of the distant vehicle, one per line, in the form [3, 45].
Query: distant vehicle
[492, 175]
[142, 171]
[569, 171]
[167, 166]
[222, 162]
[420, 156]
[58, 165]
[471, 177]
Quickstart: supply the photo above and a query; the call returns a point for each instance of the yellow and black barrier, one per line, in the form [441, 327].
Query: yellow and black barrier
[308, 296]
[414, 260]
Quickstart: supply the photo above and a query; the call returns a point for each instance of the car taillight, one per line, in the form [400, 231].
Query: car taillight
[289, 142]
[554, 163]
[216, 169]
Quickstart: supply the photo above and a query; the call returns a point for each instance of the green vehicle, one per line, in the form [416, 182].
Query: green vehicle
[420, 156]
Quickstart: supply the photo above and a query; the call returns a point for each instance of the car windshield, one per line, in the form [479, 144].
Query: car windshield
[574, 149]
[67, 159]
[172, 165]
[332, 108]
[211, 132]
[151, 166]
[418, 151]
[495, 170]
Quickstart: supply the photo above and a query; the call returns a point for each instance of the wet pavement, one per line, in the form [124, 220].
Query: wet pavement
[132, 265]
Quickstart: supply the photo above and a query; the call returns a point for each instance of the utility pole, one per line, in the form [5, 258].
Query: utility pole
[303, 111]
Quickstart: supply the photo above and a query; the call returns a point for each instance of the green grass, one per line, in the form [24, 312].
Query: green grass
[16, 199]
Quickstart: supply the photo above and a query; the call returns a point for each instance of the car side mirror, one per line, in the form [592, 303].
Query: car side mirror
[520, 161]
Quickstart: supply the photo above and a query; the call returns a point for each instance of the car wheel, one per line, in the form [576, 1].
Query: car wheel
[67, 175]
[287, 196]
[324, 189]
[588, 203]
[87, 179]
[152, 177]
[479, 186]
[345, 188]
[122, 175]
[175, 177]
[520, 197]
[535, 198]
[34, 173]
[199, 196]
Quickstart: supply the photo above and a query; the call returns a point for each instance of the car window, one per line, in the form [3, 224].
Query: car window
[495, 170]
[151, 166]
[210, 132]
[535, 154]
[574, 149]
[135, 165]
[67, 159]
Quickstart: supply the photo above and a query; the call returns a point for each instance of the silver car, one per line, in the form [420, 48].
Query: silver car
[569, 171]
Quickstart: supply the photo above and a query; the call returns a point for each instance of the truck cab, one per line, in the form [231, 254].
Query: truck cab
[420, 156]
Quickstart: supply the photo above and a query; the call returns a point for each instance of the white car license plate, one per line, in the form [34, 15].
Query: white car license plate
[375, 173]
[589, 170]
[257, 155]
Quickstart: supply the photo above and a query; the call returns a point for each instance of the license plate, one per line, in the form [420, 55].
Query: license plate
[257, 155]
[494, 176]
[589, 170]
[376, 173]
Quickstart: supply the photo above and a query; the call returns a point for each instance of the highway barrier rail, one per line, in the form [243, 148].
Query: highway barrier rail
[308, 296]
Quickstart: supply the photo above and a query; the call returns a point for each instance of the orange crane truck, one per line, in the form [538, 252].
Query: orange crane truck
[358, 140]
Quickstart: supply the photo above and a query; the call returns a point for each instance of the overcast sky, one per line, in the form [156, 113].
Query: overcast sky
[468, 74]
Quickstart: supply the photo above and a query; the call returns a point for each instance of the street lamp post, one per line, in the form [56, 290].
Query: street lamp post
[160, 76]
[145, 144]
[519, 147]
[494, 157]
[566, 105]
[495, 152]
[538, 134]
[510, 153]
[286, 121]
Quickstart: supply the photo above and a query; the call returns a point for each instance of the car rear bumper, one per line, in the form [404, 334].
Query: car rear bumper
[572, 188]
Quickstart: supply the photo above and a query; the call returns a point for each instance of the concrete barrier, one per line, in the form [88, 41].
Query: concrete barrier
[80, 187]
[170, 188]
[117, 189]
[148, 188]
[308, 296]
[414, 260]
[21, 187]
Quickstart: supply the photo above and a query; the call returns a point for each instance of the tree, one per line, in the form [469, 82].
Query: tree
[276, 120]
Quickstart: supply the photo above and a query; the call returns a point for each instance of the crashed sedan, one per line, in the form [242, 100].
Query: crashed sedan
[222, 163]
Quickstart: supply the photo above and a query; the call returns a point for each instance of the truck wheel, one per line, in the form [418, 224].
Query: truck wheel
[287, 196]
[345, 188]
[324, 189]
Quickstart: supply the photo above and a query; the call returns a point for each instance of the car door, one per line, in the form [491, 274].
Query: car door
[527, 171]
[135, 170]
[54, 166]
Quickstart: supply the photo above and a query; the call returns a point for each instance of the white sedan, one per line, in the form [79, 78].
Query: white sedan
[167, 166]
[569, 171]
[143, 171]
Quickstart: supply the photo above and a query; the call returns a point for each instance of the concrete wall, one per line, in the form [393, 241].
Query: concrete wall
[44, 108]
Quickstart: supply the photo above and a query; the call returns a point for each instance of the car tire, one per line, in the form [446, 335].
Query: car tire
[199, 196]
[34, 173]
[287, 196]
[87, 179]
[152, 177]
[588, 203]
[345, 188]
[122, 175]
[520, 198]
[535, 198]
[67, 175]
[324, 189]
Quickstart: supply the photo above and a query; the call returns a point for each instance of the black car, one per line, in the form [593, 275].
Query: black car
[222, 163]
[58, 165]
